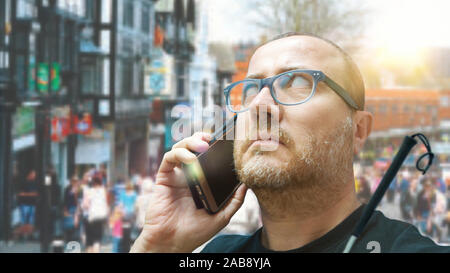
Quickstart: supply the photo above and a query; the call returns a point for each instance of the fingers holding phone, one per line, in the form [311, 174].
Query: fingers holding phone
[171, 204]
[183, 151]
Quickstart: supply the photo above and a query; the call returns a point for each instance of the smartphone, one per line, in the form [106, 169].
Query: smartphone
[212, 178]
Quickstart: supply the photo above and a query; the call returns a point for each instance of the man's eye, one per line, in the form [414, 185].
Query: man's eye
[293, 81]
[300, 81]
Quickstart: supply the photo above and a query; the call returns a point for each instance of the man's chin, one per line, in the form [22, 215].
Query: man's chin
[262, 171]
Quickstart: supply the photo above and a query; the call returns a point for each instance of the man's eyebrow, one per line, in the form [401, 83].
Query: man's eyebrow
[279, 71]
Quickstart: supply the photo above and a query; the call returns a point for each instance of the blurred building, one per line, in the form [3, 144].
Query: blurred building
[168, 80]
[226, 68]
[40, 50]
[114, 89]
[73, 94]
[242, 55]
[401, 112]
[202, 80]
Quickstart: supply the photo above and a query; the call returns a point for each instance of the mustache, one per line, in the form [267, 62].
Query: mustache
[281, 136]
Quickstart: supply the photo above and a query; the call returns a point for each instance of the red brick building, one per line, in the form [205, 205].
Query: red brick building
[396, 109]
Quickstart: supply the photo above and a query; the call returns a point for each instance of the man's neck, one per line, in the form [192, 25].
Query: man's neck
[294, 219]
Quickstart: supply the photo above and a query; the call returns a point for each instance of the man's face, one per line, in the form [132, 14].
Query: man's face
[315, 137]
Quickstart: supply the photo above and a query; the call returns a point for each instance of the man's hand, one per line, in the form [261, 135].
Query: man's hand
[172, 222]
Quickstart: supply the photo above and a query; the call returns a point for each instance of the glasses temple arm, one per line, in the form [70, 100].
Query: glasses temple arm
[341, 92]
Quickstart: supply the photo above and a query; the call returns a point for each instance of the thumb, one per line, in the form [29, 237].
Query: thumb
[234, 204]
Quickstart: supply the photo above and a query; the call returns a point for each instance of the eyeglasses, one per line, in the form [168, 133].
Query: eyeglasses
[289, 88]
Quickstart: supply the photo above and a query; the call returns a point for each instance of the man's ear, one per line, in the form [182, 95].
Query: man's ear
[363, 121]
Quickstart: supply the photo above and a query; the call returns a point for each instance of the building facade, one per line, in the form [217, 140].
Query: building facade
[40, 43]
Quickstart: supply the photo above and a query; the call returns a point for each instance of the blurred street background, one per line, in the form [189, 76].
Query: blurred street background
[87, 88]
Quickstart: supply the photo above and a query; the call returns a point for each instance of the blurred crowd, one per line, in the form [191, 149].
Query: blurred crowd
[423, 201]
[95, 212]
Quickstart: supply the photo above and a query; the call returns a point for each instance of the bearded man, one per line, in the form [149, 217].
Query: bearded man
[304, 182]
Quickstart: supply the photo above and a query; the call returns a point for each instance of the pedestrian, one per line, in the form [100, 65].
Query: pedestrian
[426, 201]
[54, 191]
[97, 208]
[136, 179]
[27, 200]
[118, 189]
[447, 217]
[115, 224]
[408, 200]
[363, 193]
[103, 173]
[439, 212]
[392, 189]
[128, 205]
[71, 210]
[83, 209]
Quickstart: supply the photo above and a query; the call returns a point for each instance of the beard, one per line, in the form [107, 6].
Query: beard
[315, 162]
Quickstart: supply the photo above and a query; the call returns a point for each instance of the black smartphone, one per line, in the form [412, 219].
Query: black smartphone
[212, 178]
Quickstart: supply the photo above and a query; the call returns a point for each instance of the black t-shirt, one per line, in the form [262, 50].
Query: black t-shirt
[381, 234]
[28, 187]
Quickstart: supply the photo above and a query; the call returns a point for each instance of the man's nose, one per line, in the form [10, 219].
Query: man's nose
[264, 97]
[264, 104]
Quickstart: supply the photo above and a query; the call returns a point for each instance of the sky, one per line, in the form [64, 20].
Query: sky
[231, 21]
[402, 25]
[411, 23]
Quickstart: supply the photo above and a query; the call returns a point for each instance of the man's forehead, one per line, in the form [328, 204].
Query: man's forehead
[295, 52]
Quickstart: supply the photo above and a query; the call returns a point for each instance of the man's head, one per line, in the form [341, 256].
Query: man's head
[31, 175]
[318, 138]
[74, 181]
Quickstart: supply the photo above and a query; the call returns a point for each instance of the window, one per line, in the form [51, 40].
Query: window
[406, 108]
[26, 9]
[90, 8]
[76, 7]
[106, 71]
[145, 19]
[128, 14]
[88, 75]
[105, 41]
[106, 11]
[394, 108]
[127, 76]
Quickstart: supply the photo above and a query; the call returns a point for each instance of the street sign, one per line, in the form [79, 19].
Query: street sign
[55, 77]
[43, 77]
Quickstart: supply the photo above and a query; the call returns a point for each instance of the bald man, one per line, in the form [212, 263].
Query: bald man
[305, 186]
